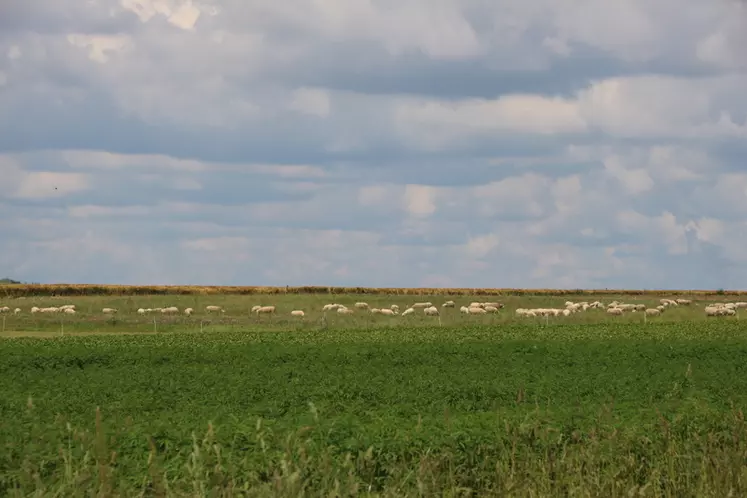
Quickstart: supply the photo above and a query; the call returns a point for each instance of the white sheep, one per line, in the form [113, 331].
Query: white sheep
[171, 310]
[109, 311]
[298, 313]
[189, 311]
[653, 312]
[255, 308]
[476, 311]
[463, 309]
[35, 309]
[408, 311]
[684, 302]
[269, 310]
[388, 312]
[16, 311]
[69, 311]
[394, 308]
[719, 311]
[376, 311]
[614, 311]
[141, 311]
[5, 309]
[493, 304]
[210, 309]
[427, 304]
[491, 309]
[430, 311]
[448, 304]
[344, 311]
[361, 306]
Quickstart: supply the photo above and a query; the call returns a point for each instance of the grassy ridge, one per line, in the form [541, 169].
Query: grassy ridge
[599, 409]
[23, 290]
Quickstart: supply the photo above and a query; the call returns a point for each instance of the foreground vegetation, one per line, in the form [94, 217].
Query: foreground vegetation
[612, 409]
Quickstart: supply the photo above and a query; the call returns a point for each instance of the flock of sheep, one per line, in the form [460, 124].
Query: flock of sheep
[429, 309]
[614, 308]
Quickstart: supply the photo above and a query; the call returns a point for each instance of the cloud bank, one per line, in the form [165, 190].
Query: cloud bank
[362, 142]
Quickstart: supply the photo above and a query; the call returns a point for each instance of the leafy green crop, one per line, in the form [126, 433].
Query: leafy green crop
[498, 409]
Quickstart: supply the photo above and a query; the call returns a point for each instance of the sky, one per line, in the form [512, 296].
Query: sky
[407, 143]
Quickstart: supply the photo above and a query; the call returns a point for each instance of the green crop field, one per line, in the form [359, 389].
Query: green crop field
[233, 405]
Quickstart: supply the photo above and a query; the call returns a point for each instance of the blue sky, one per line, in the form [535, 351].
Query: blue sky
[467, 143]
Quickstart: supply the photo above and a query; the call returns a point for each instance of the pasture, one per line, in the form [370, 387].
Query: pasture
[232, 404]
[237, 316]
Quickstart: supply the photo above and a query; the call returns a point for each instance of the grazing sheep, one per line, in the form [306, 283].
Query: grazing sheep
[614, 311]
[5, 309]
[344, 311]
[109, 311]
[522, 312]
[210, 309]
[387, 312]
[35, 309]
[408, 311]
[431, 311]
[171, 310]
[361, 306]
[684, 302]
[69, 311]
[189, 311]
[255, 308]
[653, 312]
[719, 311]
[141, 311]
[422, 305]
[494, 305]
[298, 313]
[16, 311]
[448, 304]
[394, 308]
[476, 311]
[265, 310]
[491, 309]
[376, 311]
[463, 309]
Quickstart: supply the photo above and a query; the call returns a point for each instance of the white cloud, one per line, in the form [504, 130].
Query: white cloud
[310, 101]
[420, 200]
[100, 48]
[481, 246]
